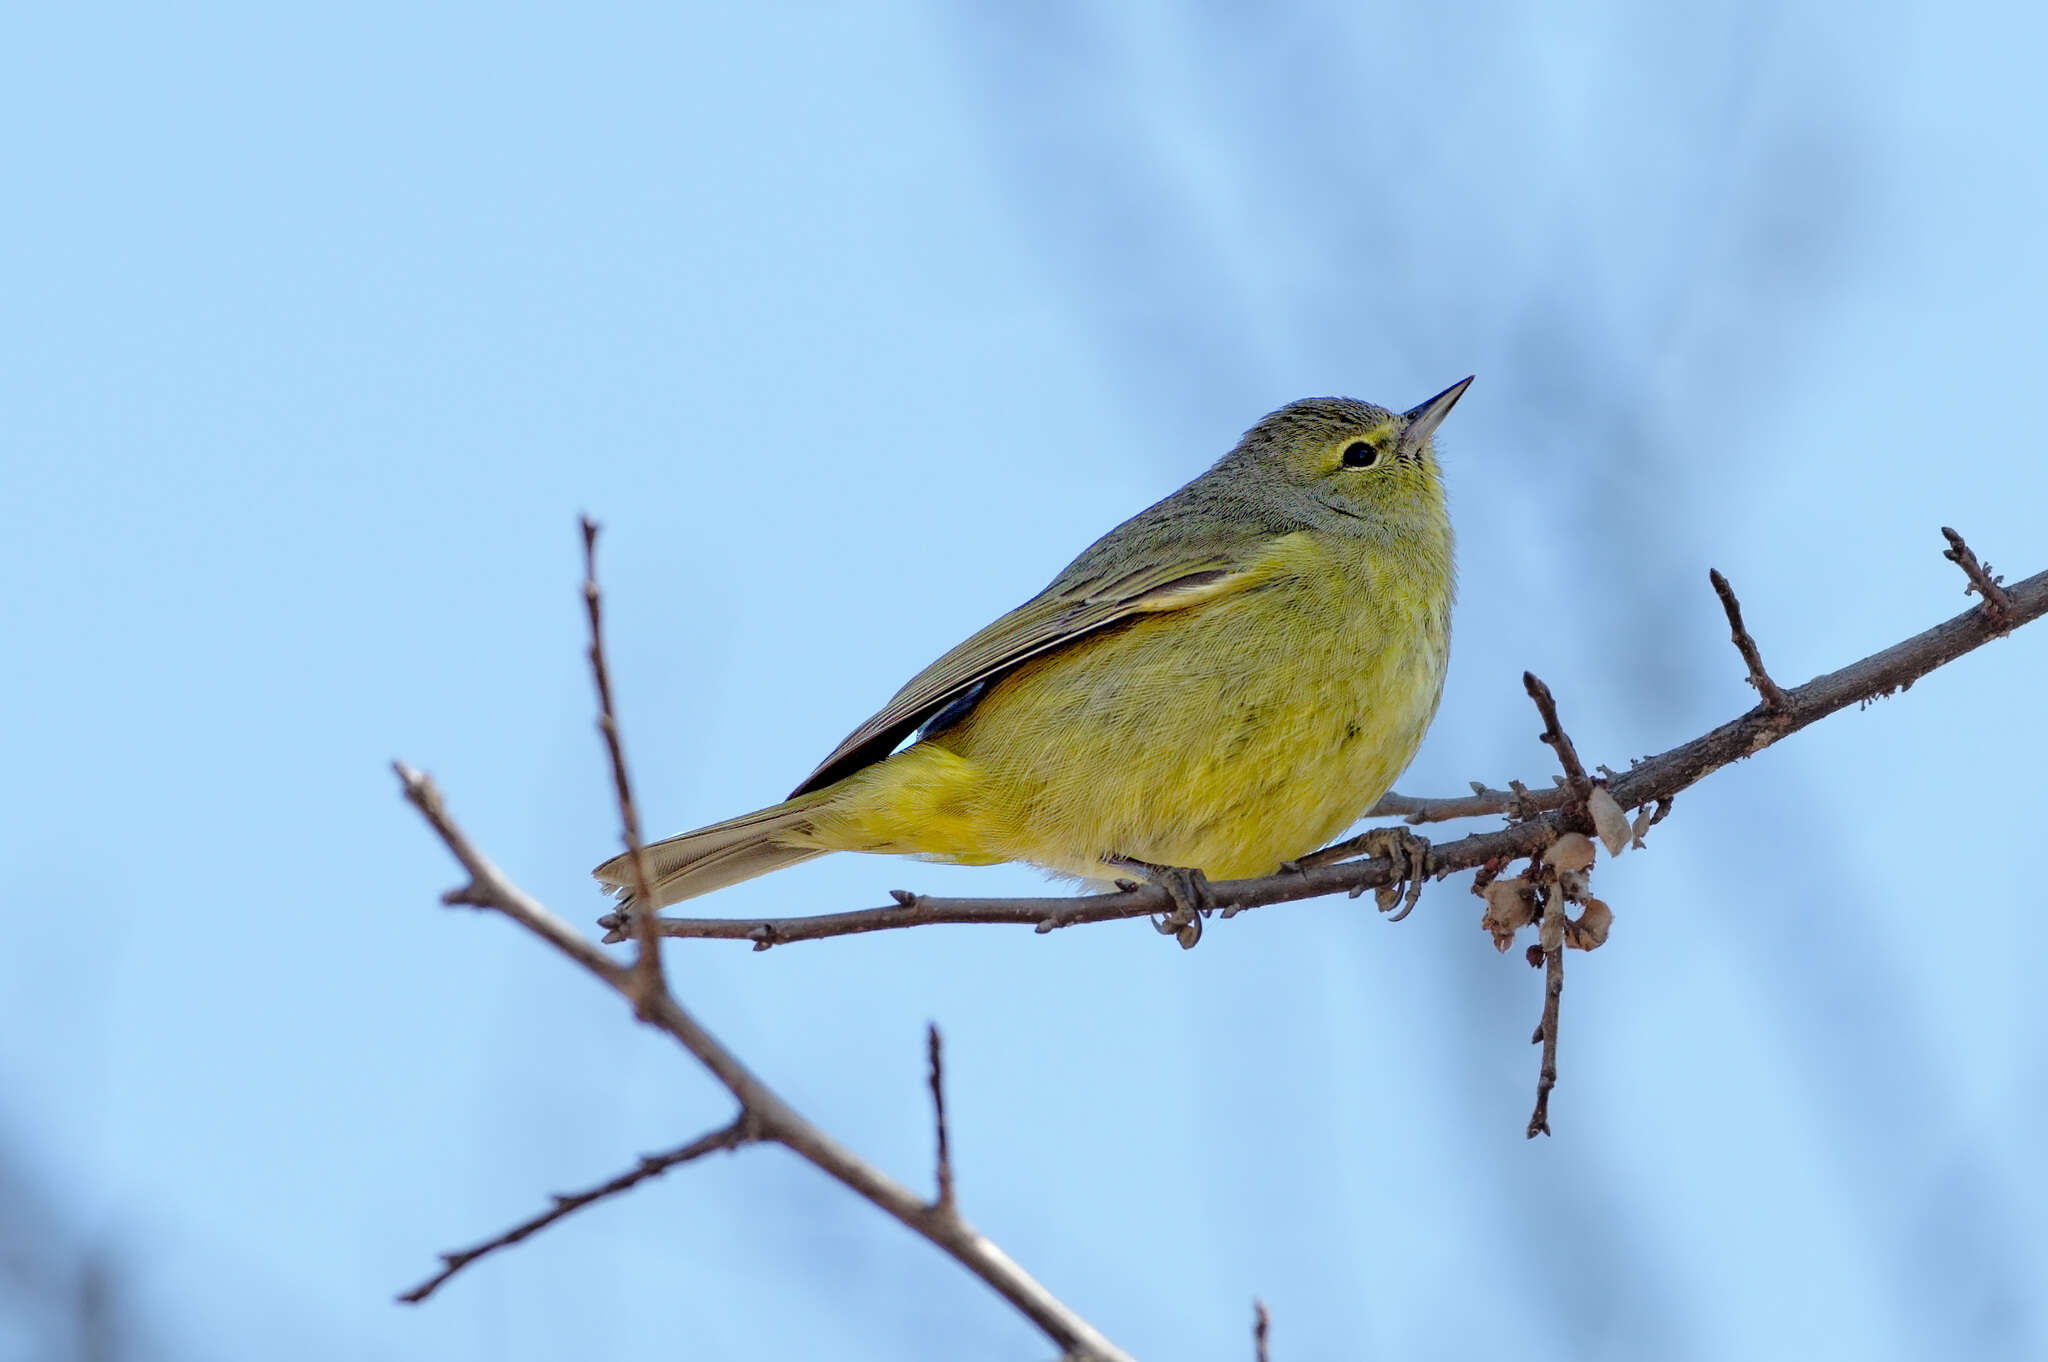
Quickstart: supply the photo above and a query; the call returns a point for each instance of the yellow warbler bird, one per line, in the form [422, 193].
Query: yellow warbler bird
[1223, 682]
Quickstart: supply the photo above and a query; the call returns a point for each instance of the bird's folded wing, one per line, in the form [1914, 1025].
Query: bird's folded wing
[1067, 610]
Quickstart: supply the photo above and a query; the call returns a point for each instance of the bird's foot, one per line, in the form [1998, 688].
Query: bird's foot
[1410, 855]
[1189, 890]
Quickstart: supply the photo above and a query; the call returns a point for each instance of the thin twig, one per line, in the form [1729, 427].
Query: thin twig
[647, 976]
[945, 1155]
[773, 1118]
[1552, 954]
[1262, 1324]
[566, 1204]
[1773, 699]
[1998, 605]
[1649, 781]
[1481, 803]
[488, 886]
[1560, 742]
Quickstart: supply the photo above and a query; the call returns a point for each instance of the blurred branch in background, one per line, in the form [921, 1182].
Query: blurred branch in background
[63, 1295]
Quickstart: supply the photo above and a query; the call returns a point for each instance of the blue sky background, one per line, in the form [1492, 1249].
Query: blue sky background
[853, 327]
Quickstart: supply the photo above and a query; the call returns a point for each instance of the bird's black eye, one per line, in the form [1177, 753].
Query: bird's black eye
[1359, 454]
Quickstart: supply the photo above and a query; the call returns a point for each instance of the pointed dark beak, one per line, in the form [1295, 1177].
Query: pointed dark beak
[1423, 420]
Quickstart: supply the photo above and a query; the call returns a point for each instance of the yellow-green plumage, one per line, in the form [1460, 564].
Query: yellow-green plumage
[1224, 682]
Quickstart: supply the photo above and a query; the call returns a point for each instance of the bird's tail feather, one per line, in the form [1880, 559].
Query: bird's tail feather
[693, 863]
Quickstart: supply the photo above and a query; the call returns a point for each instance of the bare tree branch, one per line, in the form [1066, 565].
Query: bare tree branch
[774, 1119]
[763, 1115]
[1653, 780]
[1551, 931]
[1262, 1324]
[1550, 952]
[1519, 803]
[1575, 778]
[647, 976]
[568, 1203]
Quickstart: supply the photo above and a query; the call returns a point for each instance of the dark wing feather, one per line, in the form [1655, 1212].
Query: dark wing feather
[1077, 604]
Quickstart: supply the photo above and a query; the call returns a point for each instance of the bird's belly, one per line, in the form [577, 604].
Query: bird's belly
[1227, 744]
